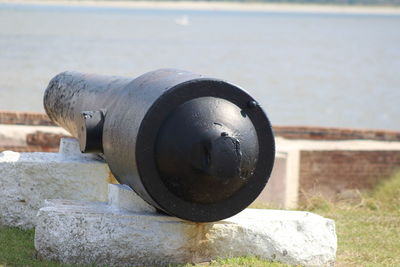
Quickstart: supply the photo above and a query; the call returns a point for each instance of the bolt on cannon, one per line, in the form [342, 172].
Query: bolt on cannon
[194, 147]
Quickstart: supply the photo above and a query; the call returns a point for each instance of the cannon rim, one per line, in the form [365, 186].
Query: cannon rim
[147, 137]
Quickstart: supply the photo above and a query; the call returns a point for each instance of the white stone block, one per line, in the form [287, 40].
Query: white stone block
[27, 179]
[70, 146]
[123, 197]
[282, 188]
[274, 194]
[95, 233]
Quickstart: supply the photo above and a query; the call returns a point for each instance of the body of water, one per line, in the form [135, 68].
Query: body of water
[305, 69]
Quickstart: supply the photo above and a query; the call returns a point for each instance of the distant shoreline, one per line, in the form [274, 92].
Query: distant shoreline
[220, 6]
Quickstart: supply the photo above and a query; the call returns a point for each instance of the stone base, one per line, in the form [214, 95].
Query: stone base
[27, 179]
[127, 231]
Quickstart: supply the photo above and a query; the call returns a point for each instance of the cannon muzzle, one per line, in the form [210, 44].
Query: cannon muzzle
[198, 148]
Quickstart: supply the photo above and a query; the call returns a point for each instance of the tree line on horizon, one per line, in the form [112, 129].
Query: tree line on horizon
[335, 2]
[324, 2]
[338, 2]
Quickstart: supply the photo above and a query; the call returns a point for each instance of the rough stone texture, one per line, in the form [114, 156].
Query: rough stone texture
[27, 179]
[70, 146]
[121, 197]
[101, 234]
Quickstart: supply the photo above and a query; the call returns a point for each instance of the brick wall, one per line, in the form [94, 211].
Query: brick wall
[25, 118]
[324, 133]
[38, 142]
[289, 132]
[330, 173]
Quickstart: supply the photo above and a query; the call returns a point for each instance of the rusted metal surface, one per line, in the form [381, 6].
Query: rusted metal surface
[198, 148]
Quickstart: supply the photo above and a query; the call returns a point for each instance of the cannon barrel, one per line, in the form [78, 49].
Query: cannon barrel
[197, 148]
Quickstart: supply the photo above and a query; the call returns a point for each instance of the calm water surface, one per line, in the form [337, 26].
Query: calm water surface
[305, 69]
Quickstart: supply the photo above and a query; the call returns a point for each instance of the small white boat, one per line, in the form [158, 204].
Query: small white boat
[184, 20]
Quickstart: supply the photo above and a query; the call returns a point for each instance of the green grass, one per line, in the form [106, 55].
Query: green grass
[16, 249]
[366, 237]
[368, 230]
[16, 246]
[368, 233]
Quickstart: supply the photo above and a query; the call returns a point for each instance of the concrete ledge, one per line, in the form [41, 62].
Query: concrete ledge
[98, 233]
[27, 179]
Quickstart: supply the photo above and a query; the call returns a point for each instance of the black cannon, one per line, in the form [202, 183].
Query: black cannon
[198, 148]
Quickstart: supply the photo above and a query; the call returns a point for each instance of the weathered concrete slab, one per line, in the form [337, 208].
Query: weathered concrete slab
[283, 185]
[102, 234]
[27, 179]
